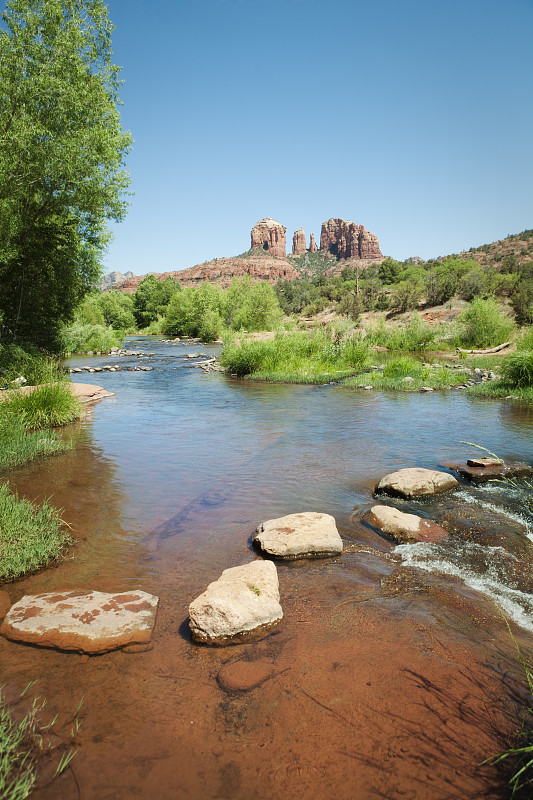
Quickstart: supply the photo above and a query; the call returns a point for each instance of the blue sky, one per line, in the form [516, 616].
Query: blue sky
[413, 118]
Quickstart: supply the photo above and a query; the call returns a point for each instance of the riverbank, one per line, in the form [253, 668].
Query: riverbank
[380, 671]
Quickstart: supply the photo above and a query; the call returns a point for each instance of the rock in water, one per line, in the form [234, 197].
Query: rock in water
[416, 482]
[298, 242]
[243, 601]
[270, 235]
[85, 621]
[242, 676]
[305, 535]
[404, 528]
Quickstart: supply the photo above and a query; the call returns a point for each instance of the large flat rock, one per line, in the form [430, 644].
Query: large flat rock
[404, 528]
[305, 535]
[416, 482]
[243, 602]
[480, 470]
[84, 621]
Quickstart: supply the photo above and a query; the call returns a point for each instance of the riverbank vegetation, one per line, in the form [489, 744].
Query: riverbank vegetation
[31, 536]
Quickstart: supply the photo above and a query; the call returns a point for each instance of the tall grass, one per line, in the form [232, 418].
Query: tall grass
[80, 338]
[517, 369]
[18, 445]
[298, 353]
[30, 536]
[48, 405]
[416, 335]
[18, 362]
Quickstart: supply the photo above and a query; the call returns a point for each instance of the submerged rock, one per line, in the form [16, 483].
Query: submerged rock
[404, 528]
[242, 676]
[84, 621]
[305, 535]
[416, 482]
[243, 601]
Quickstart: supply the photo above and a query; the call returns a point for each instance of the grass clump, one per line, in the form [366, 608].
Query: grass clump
[30, 536]
[517, 369]
[17, 771]
[301, 357]
[18, 445]
[406, 374]
[416, 335]
[48, 405]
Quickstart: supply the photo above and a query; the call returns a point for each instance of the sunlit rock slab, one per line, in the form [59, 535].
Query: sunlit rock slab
[416, 482]
[404, 528]
[308, 534]
[243, 603]
[84, 621]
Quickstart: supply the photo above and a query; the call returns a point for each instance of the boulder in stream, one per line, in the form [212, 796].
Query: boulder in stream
[416, 482]
[305, 535]
[480, 470]
[82, 620]
[242, 603]
[404, 528]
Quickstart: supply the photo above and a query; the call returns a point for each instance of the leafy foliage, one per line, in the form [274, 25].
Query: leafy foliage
[61, 159]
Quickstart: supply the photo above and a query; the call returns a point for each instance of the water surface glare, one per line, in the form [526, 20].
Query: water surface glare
[388, 659]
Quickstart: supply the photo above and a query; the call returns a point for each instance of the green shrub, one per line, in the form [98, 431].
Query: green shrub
[30, 536]
[406, 296]
[472, 284]
[243, 359]
[483, 324]
[80, 338]
[517, 368]
[416, 335]
[48, 405]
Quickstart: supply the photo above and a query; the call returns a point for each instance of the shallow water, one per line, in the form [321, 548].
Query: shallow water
[388, 659]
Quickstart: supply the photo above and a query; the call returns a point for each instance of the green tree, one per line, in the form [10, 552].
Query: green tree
[61, 158]
[152, 298]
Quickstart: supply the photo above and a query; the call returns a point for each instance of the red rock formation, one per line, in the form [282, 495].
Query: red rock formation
[298, 242]
[269, 235]
[312, 244]
[348, 240]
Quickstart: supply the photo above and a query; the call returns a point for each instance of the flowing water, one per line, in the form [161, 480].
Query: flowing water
[393, 674]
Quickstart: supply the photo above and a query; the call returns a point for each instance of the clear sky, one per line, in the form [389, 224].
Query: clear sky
[413, 118]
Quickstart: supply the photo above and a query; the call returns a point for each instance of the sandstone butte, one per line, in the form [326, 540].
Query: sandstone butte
[342, 243]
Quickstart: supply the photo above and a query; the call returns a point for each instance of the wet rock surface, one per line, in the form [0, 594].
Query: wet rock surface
[305, 535]
[416, 482]
[84, 621]
[404, 528]
[479, 470]
[5, 604]
[243, 601]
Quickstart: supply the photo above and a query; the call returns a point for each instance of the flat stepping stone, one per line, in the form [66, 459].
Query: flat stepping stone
[416, 482]
[243, 676]
[404, 528]
[479, 470]
[84, 621]
[242, 604]
[305, 535]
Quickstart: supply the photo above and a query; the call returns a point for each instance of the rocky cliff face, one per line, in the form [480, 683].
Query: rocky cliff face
[106, 281]
[348, 240]
[298, 242]
[269, 235]
[312, 244]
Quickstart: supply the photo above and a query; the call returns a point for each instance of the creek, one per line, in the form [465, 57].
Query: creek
[393, 673]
